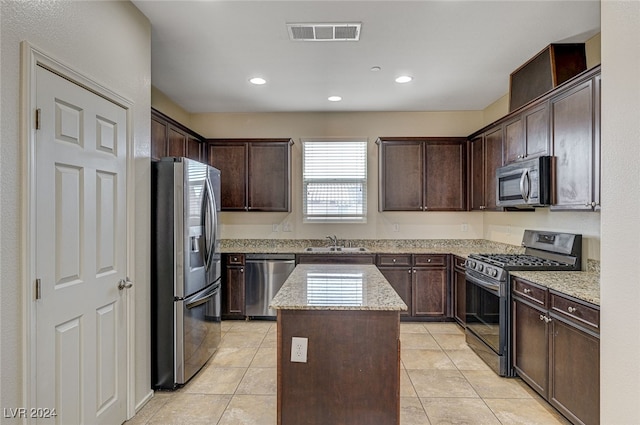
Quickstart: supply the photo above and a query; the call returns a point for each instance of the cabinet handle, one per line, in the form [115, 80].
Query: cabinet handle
[410, 272]
[394, 260]
[545, 318]
[428, 260]
[571, 309]
[235, 258]
[526, 290]
[242, 270]
[541, 317]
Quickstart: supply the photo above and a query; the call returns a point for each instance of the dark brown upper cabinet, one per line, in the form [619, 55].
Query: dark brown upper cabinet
[564, 123]
[527, 134]
[422, 174]
[255, 173]
[575, 130]
[485, 153]
[170, 138]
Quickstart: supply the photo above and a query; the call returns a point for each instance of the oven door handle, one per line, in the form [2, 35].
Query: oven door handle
[483, 285]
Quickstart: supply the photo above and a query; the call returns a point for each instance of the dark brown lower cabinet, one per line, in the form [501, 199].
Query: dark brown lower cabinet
[575, 373]
[233, 297]
[556, 349]
[459, 290]
[400, 280]
[421, 280]
[430, 292]
[531, 346]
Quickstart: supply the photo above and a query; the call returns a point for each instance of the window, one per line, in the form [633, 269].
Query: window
[334, 180]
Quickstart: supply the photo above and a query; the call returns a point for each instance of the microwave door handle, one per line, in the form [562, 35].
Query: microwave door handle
[524, 185]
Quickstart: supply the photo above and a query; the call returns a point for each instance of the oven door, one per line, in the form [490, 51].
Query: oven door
[486, 312]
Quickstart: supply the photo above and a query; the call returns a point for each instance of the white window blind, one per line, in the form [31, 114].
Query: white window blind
[334, 180]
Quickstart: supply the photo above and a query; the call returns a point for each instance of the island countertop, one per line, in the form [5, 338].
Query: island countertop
[337, 287]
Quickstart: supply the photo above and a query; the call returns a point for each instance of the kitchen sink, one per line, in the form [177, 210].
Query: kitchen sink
[335, 249]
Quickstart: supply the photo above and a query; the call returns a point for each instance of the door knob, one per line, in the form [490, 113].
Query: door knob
[124, 284]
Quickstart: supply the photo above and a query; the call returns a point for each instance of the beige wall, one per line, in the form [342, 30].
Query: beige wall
[162, 103]
[108, 42]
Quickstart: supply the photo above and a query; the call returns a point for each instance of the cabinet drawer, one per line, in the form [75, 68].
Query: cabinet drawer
[528, 290]
[575, 311]
[235, 259]
[435, 260]
[459, 262]
[394, 260]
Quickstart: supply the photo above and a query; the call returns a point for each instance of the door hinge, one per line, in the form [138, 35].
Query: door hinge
[38, 289]
[38, 112]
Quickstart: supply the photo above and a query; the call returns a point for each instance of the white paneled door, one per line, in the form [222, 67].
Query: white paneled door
[81, 254]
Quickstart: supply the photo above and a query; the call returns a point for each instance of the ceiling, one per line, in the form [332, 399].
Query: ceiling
[459, 53]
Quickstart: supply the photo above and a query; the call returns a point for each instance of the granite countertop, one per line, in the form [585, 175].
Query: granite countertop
[581, 285]
[584, 285]
[460, 247]
[337, 287]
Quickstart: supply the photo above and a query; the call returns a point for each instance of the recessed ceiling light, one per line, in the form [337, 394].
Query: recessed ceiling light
[375, 68]
[258, 81]
[403, 79]
[334, 98]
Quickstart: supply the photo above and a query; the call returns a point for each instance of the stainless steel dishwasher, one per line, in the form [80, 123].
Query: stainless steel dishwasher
[265, 274]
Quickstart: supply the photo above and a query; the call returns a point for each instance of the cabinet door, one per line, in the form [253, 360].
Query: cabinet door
[459, 292]
[400, 280]
[575, 373]
[573, 146]
[401, 176]
[430, 291]
[234, 295]
[446, 176]
[530, 346]
[158, 138]
[194, 149]
[269, 176]
[493, 160]
[514, 145]
[231, 160]
[476, 156]
[177, 142]
[536, 130]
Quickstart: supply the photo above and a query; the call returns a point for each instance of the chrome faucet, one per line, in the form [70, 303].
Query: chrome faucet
[334, 240]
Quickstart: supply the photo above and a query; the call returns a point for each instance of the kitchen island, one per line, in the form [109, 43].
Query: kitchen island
[347, 318]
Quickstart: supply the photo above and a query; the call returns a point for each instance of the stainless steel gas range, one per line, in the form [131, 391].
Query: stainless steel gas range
[488, 294]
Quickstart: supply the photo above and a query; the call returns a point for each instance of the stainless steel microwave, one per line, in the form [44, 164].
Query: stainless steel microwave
[525, 184]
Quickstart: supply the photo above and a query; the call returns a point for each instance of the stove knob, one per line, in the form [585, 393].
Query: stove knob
[471, 263]
[480, 267]
[493, 272]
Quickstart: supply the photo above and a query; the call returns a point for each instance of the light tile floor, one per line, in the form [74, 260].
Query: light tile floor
[442, 382]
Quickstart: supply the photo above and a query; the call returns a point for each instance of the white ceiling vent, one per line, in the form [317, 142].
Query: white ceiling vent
[349, 31]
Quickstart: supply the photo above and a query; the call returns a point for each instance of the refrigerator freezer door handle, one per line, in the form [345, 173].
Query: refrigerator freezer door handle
[203, 297]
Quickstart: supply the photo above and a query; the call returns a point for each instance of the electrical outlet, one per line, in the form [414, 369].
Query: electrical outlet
[464, 227]
[299, 349]
[396, 227]
[286, 227]
[274, 228]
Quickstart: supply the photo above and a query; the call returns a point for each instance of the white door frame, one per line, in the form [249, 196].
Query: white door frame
[33, 57]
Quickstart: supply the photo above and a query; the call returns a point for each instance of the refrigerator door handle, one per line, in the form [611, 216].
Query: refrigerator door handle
[208, 211]
[202, 297]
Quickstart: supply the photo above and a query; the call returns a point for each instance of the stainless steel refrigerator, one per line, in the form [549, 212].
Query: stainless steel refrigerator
[185, 269]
